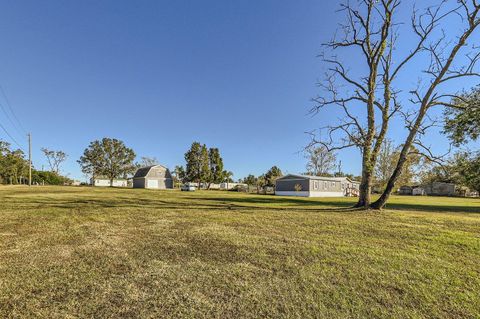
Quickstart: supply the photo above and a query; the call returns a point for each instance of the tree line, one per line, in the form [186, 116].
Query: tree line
[14, 167]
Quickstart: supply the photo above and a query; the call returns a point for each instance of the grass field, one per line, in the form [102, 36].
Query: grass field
[70, 252]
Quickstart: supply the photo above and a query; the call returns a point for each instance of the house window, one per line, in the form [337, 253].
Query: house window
[315, 185]
[343, 186]
[333, 184]
[325, 185]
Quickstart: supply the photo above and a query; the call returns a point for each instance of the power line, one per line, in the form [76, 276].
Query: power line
[11, 137]
[10, 120]
[11, 109]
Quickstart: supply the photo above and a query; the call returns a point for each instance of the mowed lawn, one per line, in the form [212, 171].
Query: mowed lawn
[69, 252]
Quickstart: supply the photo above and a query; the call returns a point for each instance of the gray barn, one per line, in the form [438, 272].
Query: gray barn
[315, 186]
[156, 177]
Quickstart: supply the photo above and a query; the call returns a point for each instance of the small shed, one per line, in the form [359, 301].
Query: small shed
[154, 177]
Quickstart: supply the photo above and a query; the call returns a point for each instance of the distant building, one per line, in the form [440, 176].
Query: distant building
[315, 186]
[432, 189]
[228, 186]
[155, 177]
[105, 182]
[440, 189]
[419, 191]
[405, 190]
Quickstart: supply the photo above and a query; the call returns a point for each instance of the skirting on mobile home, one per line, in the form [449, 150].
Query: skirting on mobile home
[315, 186]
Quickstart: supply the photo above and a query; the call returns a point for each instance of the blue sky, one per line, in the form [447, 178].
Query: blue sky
[237, 75]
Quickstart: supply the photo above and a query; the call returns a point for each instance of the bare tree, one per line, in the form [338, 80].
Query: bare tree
[369, 101]
[320, 161]
[55, 159]
[148, 161]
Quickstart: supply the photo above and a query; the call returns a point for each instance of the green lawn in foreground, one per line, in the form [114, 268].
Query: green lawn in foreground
[70, 252]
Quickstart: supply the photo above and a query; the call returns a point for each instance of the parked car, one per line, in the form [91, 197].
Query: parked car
[188, 188]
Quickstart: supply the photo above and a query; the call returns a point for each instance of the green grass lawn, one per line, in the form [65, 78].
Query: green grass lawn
[69, 252]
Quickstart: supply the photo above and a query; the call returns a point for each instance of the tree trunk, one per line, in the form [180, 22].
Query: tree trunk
[364, 198]
[380, 203]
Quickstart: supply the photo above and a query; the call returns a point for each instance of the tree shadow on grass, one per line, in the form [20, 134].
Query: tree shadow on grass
[223, 203]
[433, 208]
[329, 205]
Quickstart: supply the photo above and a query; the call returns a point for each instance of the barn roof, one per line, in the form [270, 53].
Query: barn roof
[143, 171]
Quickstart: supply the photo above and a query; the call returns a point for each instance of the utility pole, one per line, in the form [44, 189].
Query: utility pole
[29, 159]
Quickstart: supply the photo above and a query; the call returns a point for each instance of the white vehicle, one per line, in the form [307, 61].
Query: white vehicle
[188, 188]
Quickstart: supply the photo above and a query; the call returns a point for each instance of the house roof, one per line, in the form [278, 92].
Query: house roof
[143, 171]
[323, 178]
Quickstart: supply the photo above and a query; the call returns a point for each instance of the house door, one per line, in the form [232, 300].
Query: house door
[152, 183]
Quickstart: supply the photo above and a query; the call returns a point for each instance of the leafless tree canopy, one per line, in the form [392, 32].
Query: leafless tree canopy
[320, 161]
[368, 71]
[55, 159]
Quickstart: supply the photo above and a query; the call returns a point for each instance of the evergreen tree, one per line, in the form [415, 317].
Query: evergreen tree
[198, 165]
[205, 174]
[272, 174]
[217, 174]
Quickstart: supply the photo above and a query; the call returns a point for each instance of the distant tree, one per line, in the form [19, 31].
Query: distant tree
[446, 173]
[320, 161]
[385, 165]
[55, 159]
[463, 168]
[198, 164]
[272, 174]
[468, 167]
[148, 161]
[217, 174]
[179, 174]
[387, 161]
[261, 182]
[463, 118]
[250, 180]
[228, 176]
[109, 158]
[13, 166]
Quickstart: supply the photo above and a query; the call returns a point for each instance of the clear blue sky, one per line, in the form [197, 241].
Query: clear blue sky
[238, 75]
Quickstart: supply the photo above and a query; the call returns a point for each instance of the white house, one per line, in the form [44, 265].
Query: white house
[105, 182]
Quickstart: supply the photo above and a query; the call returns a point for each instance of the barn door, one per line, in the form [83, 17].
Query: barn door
[152, 183]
